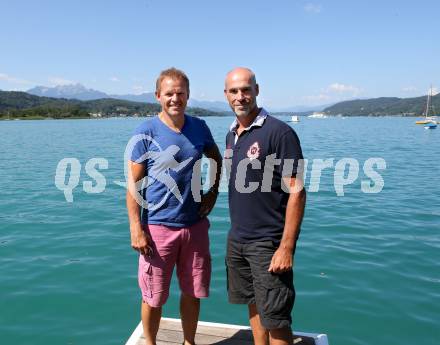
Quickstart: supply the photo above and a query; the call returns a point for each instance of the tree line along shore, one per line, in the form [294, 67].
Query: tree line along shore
[21, 105]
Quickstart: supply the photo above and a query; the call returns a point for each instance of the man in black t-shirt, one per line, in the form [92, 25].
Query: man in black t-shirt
[266, 203]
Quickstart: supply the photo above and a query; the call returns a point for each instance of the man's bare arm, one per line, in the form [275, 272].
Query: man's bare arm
[139, 240]
[209, 199]
[282, 259]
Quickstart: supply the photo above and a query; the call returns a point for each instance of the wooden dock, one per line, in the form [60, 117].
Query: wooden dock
[209, 333]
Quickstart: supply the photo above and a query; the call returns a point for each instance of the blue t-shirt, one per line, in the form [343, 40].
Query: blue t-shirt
[169, 158]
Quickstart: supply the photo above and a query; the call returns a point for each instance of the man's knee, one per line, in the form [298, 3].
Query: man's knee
[252, 307]
[149, 308]
[281, 334]
[189, 298]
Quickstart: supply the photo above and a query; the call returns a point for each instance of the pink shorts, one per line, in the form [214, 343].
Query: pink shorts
[188, 249]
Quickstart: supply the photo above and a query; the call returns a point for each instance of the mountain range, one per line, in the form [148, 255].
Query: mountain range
[80, 92]
[14, 104]
[21, 104]
[414, 106]
[359, 107]
[70, 91]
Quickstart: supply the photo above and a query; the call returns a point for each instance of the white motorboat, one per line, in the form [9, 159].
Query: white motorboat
[318, 115]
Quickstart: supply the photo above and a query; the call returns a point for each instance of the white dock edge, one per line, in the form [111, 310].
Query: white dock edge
[320, 339]
[136, 335]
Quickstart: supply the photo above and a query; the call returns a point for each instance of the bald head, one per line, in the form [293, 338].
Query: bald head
[241, 91]
[240, 73]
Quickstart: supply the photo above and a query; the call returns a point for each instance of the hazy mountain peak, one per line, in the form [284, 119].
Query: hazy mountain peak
[77, 91]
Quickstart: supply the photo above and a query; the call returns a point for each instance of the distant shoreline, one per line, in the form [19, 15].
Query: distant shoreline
[21, 105]
[39, 117]
[42, 118]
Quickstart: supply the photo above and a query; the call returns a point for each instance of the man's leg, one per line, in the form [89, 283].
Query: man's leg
[189, 314]
[241, 289]
[261, 335]
[154, 277]
[150, 322]
[194, 274]
[274, 293]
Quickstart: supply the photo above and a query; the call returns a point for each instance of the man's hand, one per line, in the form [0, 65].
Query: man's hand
[139, 240]
[207, 203]
[282, 261]
[209, 198]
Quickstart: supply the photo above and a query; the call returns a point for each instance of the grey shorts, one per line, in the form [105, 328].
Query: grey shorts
[249, 282]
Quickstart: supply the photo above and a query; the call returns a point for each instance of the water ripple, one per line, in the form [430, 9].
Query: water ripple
[366, 264]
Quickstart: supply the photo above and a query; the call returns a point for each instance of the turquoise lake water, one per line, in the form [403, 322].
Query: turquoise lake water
[366, 268]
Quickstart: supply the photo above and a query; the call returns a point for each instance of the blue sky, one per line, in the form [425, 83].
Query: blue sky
[303, 52]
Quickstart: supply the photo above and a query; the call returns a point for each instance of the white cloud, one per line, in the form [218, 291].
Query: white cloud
[54, 81]
[409, 89]
[115, 79]
[342, 88]
[312, 8]
[317, 98]
[13, 80]
[335, 92]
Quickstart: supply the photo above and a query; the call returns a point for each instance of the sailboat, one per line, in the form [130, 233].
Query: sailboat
[430, 121]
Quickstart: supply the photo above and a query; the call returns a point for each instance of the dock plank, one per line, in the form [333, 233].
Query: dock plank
[237, 333]
[170, 333]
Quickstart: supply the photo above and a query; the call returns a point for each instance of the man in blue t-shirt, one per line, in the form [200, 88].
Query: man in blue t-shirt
[171, 228]
[266, 204]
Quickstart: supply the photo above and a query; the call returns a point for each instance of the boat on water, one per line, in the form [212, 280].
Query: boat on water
[431, 125]
[170, 332]
[294, 118]
[318, 115]
[430, 119]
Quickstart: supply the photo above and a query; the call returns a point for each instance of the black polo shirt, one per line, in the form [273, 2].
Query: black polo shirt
[257, 202]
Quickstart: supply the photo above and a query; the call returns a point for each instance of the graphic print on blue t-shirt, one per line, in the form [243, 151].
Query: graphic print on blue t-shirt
[169, 158]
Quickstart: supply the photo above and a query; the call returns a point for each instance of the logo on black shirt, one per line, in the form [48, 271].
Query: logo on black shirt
[254, 151]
